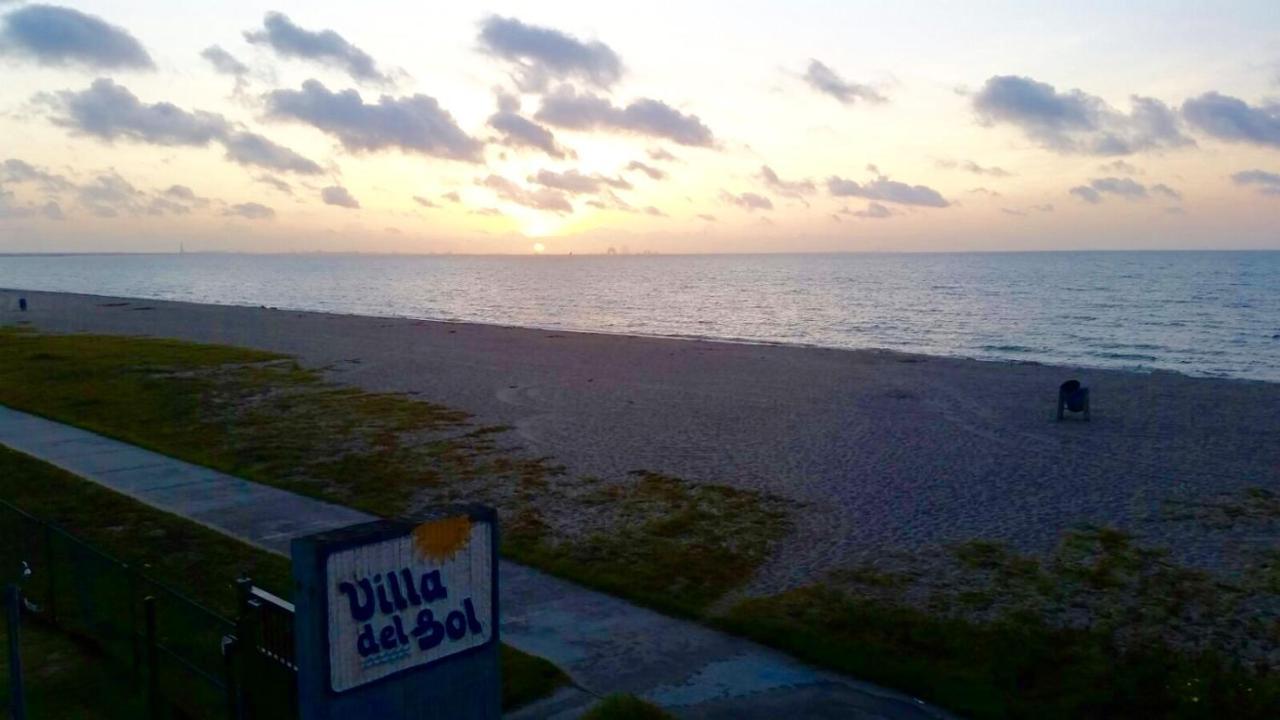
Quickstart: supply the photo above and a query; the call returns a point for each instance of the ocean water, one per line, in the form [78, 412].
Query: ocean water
[1201, 313]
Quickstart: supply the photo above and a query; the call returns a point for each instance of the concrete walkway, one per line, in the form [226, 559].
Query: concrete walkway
[605, 644]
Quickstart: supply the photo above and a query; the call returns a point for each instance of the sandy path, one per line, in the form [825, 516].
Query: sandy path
[885, 450]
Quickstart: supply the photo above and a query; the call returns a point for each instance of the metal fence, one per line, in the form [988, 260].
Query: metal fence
[190, 661]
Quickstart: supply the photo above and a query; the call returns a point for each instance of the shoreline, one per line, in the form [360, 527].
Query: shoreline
[5, 291]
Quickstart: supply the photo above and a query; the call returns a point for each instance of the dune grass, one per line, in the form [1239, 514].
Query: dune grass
[625, 707]
[260, 416]
[998, 646]
[199, 562]
[985, 650]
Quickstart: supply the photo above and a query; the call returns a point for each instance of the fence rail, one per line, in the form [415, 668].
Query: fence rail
[194, 662]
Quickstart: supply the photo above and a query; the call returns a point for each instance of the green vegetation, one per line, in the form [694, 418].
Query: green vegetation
[184, 555]
[625, 707]
[262, 417]
[1083, 634]
[671, 544]
[1101, 628]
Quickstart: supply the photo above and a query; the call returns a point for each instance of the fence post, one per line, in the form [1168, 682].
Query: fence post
[153, 658]
[51, 571]
[13, 613]
[230, 649]
[131, 579]
[246, 643]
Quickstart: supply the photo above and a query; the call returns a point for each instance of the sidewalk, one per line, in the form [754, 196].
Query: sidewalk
[605, 644]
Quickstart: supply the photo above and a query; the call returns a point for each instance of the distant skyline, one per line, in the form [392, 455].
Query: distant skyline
[564, 127]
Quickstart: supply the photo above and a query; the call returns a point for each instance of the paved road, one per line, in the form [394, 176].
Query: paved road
[605, 644]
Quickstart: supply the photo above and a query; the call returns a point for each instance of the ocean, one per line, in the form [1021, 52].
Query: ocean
[1201, 313]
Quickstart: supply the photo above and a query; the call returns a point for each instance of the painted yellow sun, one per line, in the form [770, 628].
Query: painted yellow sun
[539, 248]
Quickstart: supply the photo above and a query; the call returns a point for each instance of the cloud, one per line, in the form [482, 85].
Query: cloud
[1086, 194]
[651, 210]
[223, 61]
[338, 195]
[707, 217]
[973, 167]
[785, 188]
[275, 182]
[62, 36]
[184, 196]
[250, 211]
[653, 172]
[828, 82]
[109, 194]
[885, 190]
[49, 210]
[544, 54]
[1121, 187]
[14, 170]
[106, 195]
[52, 211]
[110, 112]
[1076, 122]
[165, 206]
[660, 155]
[1268, 183]
[874, 211]
[249, 148]
[1120, 166]
[324, 46]
[748, 201]
[541, 199]
[413, 123]
[424, 202]
[1233, 120]
[575, 182]
[1124, 187]
[566, 109]
[452, 197]
[519, 131]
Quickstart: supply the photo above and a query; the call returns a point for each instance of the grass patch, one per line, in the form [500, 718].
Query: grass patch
[260, 416]
[626, 707]
[254, 414]
[1102, 628]
[199, 562]
[671, 544]
[1014, 668]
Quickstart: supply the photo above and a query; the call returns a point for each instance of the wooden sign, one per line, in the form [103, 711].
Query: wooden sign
[394, 611]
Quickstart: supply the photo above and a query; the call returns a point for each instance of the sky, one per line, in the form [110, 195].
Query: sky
[575, 127]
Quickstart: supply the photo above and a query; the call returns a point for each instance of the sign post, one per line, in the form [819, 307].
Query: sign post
[399, 618]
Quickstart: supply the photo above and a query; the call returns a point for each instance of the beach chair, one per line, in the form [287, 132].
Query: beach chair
[1073, 397]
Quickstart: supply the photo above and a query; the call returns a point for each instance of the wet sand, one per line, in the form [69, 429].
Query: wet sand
[883, 450]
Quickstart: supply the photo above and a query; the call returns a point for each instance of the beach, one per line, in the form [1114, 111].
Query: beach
[880, 452]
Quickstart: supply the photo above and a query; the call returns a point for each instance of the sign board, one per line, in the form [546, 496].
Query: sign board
[399, 615]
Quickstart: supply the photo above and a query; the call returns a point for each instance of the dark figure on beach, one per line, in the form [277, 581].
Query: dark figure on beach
[22, 304]
[1074, 397]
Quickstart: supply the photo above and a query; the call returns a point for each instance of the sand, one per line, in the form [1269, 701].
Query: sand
[883, 451]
